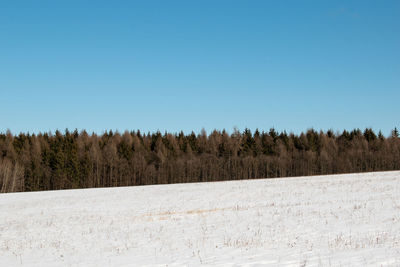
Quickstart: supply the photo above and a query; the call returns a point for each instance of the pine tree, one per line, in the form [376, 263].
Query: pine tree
[395, 132]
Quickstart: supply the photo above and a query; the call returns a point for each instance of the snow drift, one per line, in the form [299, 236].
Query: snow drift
[351, 219]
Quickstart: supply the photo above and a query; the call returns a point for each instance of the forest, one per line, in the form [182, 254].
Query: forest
[73, 159]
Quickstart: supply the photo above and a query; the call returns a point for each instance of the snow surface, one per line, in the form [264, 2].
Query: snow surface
[336, 220]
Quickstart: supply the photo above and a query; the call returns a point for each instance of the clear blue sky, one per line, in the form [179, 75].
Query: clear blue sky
[184, 65]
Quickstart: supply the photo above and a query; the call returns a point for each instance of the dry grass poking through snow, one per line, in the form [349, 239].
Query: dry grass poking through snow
[338, 220]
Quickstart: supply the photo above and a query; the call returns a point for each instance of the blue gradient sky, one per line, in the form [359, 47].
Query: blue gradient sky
[184, 65]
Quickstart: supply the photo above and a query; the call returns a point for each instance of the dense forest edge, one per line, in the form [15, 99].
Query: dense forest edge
[71, 160]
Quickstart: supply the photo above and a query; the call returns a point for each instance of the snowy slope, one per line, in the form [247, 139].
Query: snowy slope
[336, 220]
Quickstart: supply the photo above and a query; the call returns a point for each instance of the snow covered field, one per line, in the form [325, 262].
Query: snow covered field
[337, 220]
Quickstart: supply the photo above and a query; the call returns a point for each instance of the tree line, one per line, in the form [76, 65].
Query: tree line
[69, 160]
